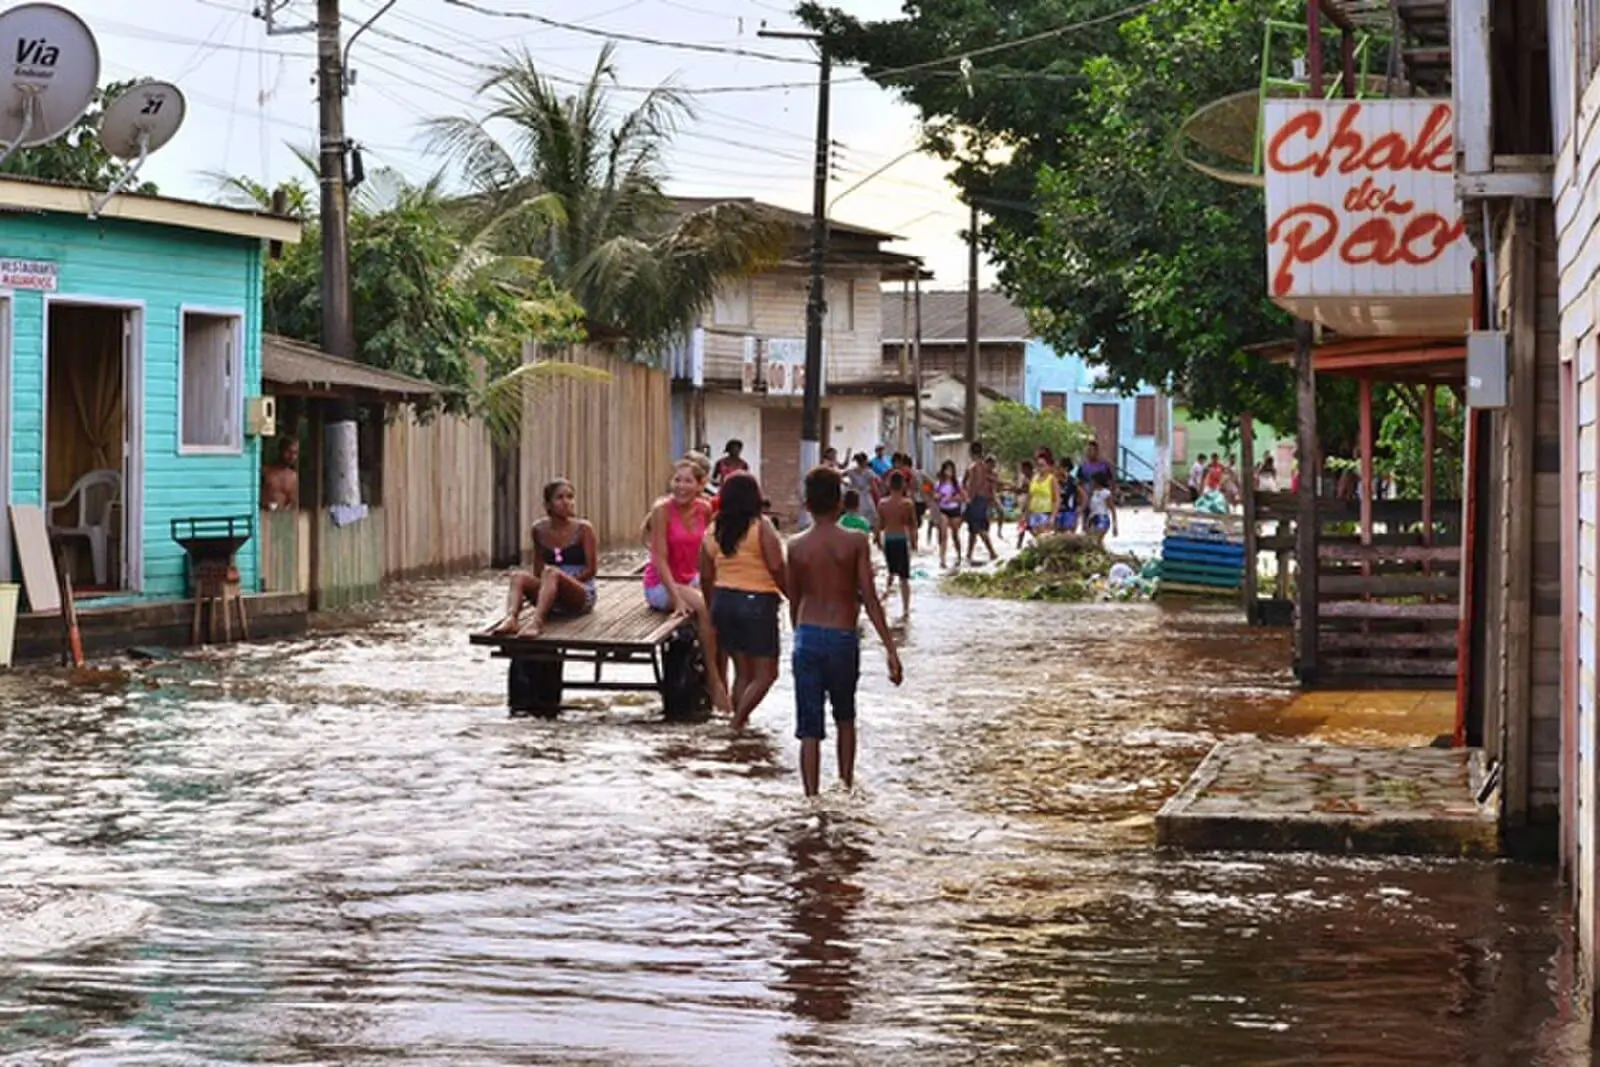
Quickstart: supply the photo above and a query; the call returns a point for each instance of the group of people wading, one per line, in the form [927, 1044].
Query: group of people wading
[720, 561]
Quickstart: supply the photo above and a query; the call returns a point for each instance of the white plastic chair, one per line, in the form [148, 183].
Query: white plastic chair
[96, 494]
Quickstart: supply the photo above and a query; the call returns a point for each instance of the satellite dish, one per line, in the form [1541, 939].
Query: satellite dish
[50, 68]
[136, 123]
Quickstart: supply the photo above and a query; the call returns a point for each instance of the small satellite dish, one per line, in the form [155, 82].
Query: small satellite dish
[138, 122]
[49, 67]
[142, 119]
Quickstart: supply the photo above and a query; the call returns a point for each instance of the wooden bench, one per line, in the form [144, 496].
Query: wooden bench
[621, 631]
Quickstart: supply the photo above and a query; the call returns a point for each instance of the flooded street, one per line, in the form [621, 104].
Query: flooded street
[339, 850]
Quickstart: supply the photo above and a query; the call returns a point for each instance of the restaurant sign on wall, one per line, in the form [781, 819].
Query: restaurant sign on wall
[1364, 231]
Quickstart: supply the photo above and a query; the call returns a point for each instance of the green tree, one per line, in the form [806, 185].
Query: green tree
[577, 184]
[423, 308]
[77, 157]
[1014, 432]
[1123, 253]
[1400, 448]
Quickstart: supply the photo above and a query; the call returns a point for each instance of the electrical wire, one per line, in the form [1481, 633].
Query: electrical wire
[632, 38]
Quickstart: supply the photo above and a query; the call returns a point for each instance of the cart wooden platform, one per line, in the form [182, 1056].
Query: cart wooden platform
[620, 632]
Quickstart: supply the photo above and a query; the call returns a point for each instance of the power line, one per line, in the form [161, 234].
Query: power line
[633, 38]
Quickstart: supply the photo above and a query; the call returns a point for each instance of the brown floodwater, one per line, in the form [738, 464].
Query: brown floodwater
[339, 850]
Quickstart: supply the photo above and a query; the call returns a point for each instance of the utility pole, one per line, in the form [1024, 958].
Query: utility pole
[971, 428]
[816, 300]
[338, 317]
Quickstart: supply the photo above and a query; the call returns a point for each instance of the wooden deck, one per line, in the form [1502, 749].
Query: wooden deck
[620, 621]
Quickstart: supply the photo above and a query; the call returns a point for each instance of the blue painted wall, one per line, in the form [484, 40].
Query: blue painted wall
[1046, 372]
[163, 268]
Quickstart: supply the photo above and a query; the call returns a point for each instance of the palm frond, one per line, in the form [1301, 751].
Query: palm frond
[503, 401]
[465, 143]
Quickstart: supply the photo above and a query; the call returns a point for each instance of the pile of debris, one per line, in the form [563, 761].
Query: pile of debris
[1064, 567]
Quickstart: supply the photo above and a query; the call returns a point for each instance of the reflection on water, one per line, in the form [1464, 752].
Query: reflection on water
[340, 851]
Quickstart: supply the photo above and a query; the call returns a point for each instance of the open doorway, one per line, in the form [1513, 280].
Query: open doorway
[91, 416]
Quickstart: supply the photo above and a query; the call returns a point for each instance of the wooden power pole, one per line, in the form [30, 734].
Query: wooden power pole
[971, 426]
[338, 317]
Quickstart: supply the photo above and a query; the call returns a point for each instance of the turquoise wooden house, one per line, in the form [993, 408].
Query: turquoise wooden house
[131, 346]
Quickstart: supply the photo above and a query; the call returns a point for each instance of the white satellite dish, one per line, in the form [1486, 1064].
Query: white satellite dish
[49, 67]
[135, 124]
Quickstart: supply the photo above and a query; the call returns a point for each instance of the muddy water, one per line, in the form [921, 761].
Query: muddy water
[340, 851]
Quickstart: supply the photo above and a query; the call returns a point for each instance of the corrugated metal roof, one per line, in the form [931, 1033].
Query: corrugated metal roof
[295, 364]
[944, 317]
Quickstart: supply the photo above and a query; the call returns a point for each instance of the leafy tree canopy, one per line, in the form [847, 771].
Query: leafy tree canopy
[1014, 432]
[1152, 271]
[422, 307]
[77, 157]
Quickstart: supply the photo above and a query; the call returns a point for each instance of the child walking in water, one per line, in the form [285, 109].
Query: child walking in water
[897, 523]
[830, 579]
[852, 519]
[1102, 508]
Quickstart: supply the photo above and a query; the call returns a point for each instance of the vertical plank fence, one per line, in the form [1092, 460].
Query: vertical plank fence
[613, 441]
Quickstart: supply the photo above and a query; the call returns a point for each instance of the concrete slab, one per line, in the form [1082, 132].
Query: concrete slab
[1294, 796]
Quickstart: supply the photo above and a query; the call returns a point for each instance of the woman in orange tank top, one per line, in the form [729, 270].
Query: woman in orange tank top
[743, 577]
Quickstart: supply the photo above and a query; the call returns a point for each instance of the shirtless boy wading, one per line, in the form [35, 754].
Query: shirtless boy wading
[830, 578]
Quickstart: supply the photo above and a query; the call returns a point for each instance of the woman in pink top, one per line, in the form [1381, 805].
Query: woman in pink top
[677, 528]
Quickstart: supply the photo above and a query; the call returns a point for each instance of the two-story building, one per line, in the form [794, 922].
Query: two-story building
[741, 374]
[1526, 88]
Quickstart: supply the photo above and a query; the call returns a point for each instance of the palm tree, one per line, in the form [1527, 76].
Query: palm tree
[578, 183]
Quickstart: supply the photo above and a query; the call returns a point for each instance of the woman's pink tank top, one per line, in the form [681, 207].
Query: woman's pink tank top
[683, 546]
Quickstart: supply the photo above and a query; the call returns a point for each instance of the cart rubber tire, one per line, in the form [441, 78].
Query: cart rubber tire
[534, 687]
[683, 676]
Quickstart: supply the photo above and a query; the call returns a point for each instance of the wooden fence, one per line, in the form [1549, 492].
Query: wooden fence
[285, 551]
[438, 496]
[613, 441]
[1388, 612]
[350, 560]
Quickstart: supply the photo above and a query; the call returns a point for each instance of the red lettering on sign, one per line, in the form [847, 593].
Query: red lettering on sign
[1309, 232]
[1307, 240]
[1348, 151]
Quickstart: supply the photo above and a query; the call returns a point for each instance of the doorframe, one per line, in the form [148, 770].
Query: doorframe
[8, 341]
[133, 369]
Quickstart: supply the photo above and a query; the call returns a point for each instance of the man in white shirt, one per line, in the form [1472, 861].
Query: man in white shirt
[1197, 477]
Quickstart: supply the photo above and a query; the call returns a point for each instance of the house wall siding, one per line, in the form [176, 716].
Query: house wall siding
[163, 269]
[1577, 254]
[778, 309]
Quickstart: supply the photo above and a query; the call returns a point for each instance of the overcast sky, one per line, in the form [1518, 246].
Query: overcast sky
[250, 95]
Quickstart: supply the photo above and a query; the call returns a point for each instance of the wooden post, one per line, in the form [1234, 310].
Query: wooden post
[1314, 47]
[1306, 519]
[905, 361]
[312, 502]
[1429, 431]
[1524, 265]
[1247, 496]
[1365, 392]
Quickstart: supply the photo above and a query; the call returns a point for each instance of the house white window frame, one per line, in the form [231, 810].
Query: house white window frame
[236, 447]
[837, 287]
[720, 308]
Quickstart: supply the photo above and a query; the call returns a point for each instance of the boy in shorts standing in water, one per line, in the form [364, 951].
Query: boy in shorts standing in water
[897, 522]
[830, 579]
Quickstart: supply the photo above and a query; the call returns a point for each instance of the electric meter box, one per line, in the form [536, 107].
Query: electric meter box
[1487, 373]
[261, 416]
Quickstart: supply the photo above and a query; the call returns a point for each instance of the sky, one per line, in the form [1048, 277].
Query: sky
[250, 96]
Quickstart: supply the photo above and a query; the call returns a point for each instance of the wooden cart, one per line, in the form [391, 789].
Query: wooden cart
[620, 632]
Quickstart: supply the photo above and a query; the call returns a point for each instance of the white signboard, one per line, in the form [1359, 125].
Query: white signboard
[38, 274]
[1364, 232]
[748, 367]
[786, 366]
